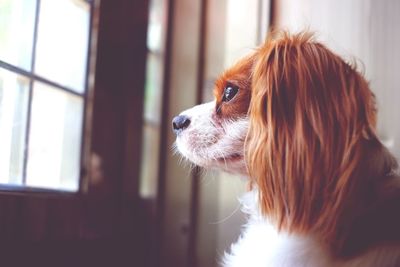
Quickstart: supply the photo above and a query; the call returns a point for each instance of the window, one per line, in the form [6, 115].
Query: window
[153, 98]
[43, 83]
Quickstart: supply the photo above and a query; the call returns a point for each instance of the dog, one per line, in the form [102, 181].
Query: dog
[300, 123]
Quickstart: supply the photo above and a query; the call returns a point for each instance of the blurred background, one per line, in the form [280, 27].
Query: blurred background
[87, 93]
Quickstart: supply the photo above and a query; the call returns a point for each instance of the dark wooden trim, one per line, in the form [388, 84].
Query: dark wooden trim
[118, 115]
[165, 127]
[87, 104]
[21, 190]
[272, 14]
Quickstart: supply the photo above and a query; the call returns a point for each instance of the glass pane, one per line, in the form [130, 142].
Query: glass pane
[153, 88]
[62, 45]
[14, 91]
[17, 21]
[149, 173]
[157, 22]
[153, 97]
[54, 139]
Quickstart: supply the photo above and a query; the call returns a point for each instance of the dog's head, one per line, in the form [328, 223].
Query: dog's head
[212, 135]
[300, 122]
[292, 92]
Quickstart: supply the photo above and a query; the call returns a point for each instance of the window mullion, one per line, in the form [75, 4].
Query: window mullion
[88, 96]
[30, 94]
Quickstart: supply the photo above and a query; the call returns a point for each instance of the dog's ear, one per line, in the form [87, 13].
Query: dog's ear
[309, 115]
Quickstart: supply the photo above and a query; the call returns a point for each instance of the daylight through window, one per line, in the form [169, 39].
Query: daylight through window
[43, 82]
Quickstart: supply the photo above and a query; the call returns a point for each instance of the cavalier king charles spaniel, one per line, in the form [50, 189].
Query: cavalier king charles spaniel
[301, 124]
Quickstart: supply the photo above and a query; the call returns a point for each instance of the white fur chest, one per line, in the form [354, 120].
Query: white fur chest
[260, 245]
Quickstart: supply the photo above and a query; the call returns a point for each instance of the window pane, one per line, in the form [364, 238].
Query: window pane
[149, 173]
[62, 45]
[153, 98]
[153, 88]
[17, 20]
[13, 110]
[157, 22]
[54, 139]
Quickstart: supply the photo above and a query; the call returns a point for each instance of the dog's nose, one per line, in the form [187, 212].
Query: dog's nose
[180, 123]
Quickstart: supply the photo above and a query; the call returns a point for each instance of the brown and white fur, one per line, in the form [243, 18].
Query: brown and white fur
[301, 124]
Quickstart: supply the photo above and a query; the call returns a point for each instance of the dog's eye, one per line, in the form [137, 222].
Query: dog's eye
[229, 92]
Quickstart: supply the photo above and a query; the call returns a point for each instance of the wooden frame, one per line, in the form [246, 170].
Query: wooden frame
[103, 224]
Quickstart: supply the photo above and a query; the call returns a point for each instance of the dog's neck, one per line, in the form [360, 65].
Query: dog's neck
[261, 244]
[378, 224]
[369, 215]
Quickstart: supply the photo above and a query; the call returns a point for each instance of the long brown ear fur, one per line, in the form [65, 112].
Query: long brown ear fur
[311, 139]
